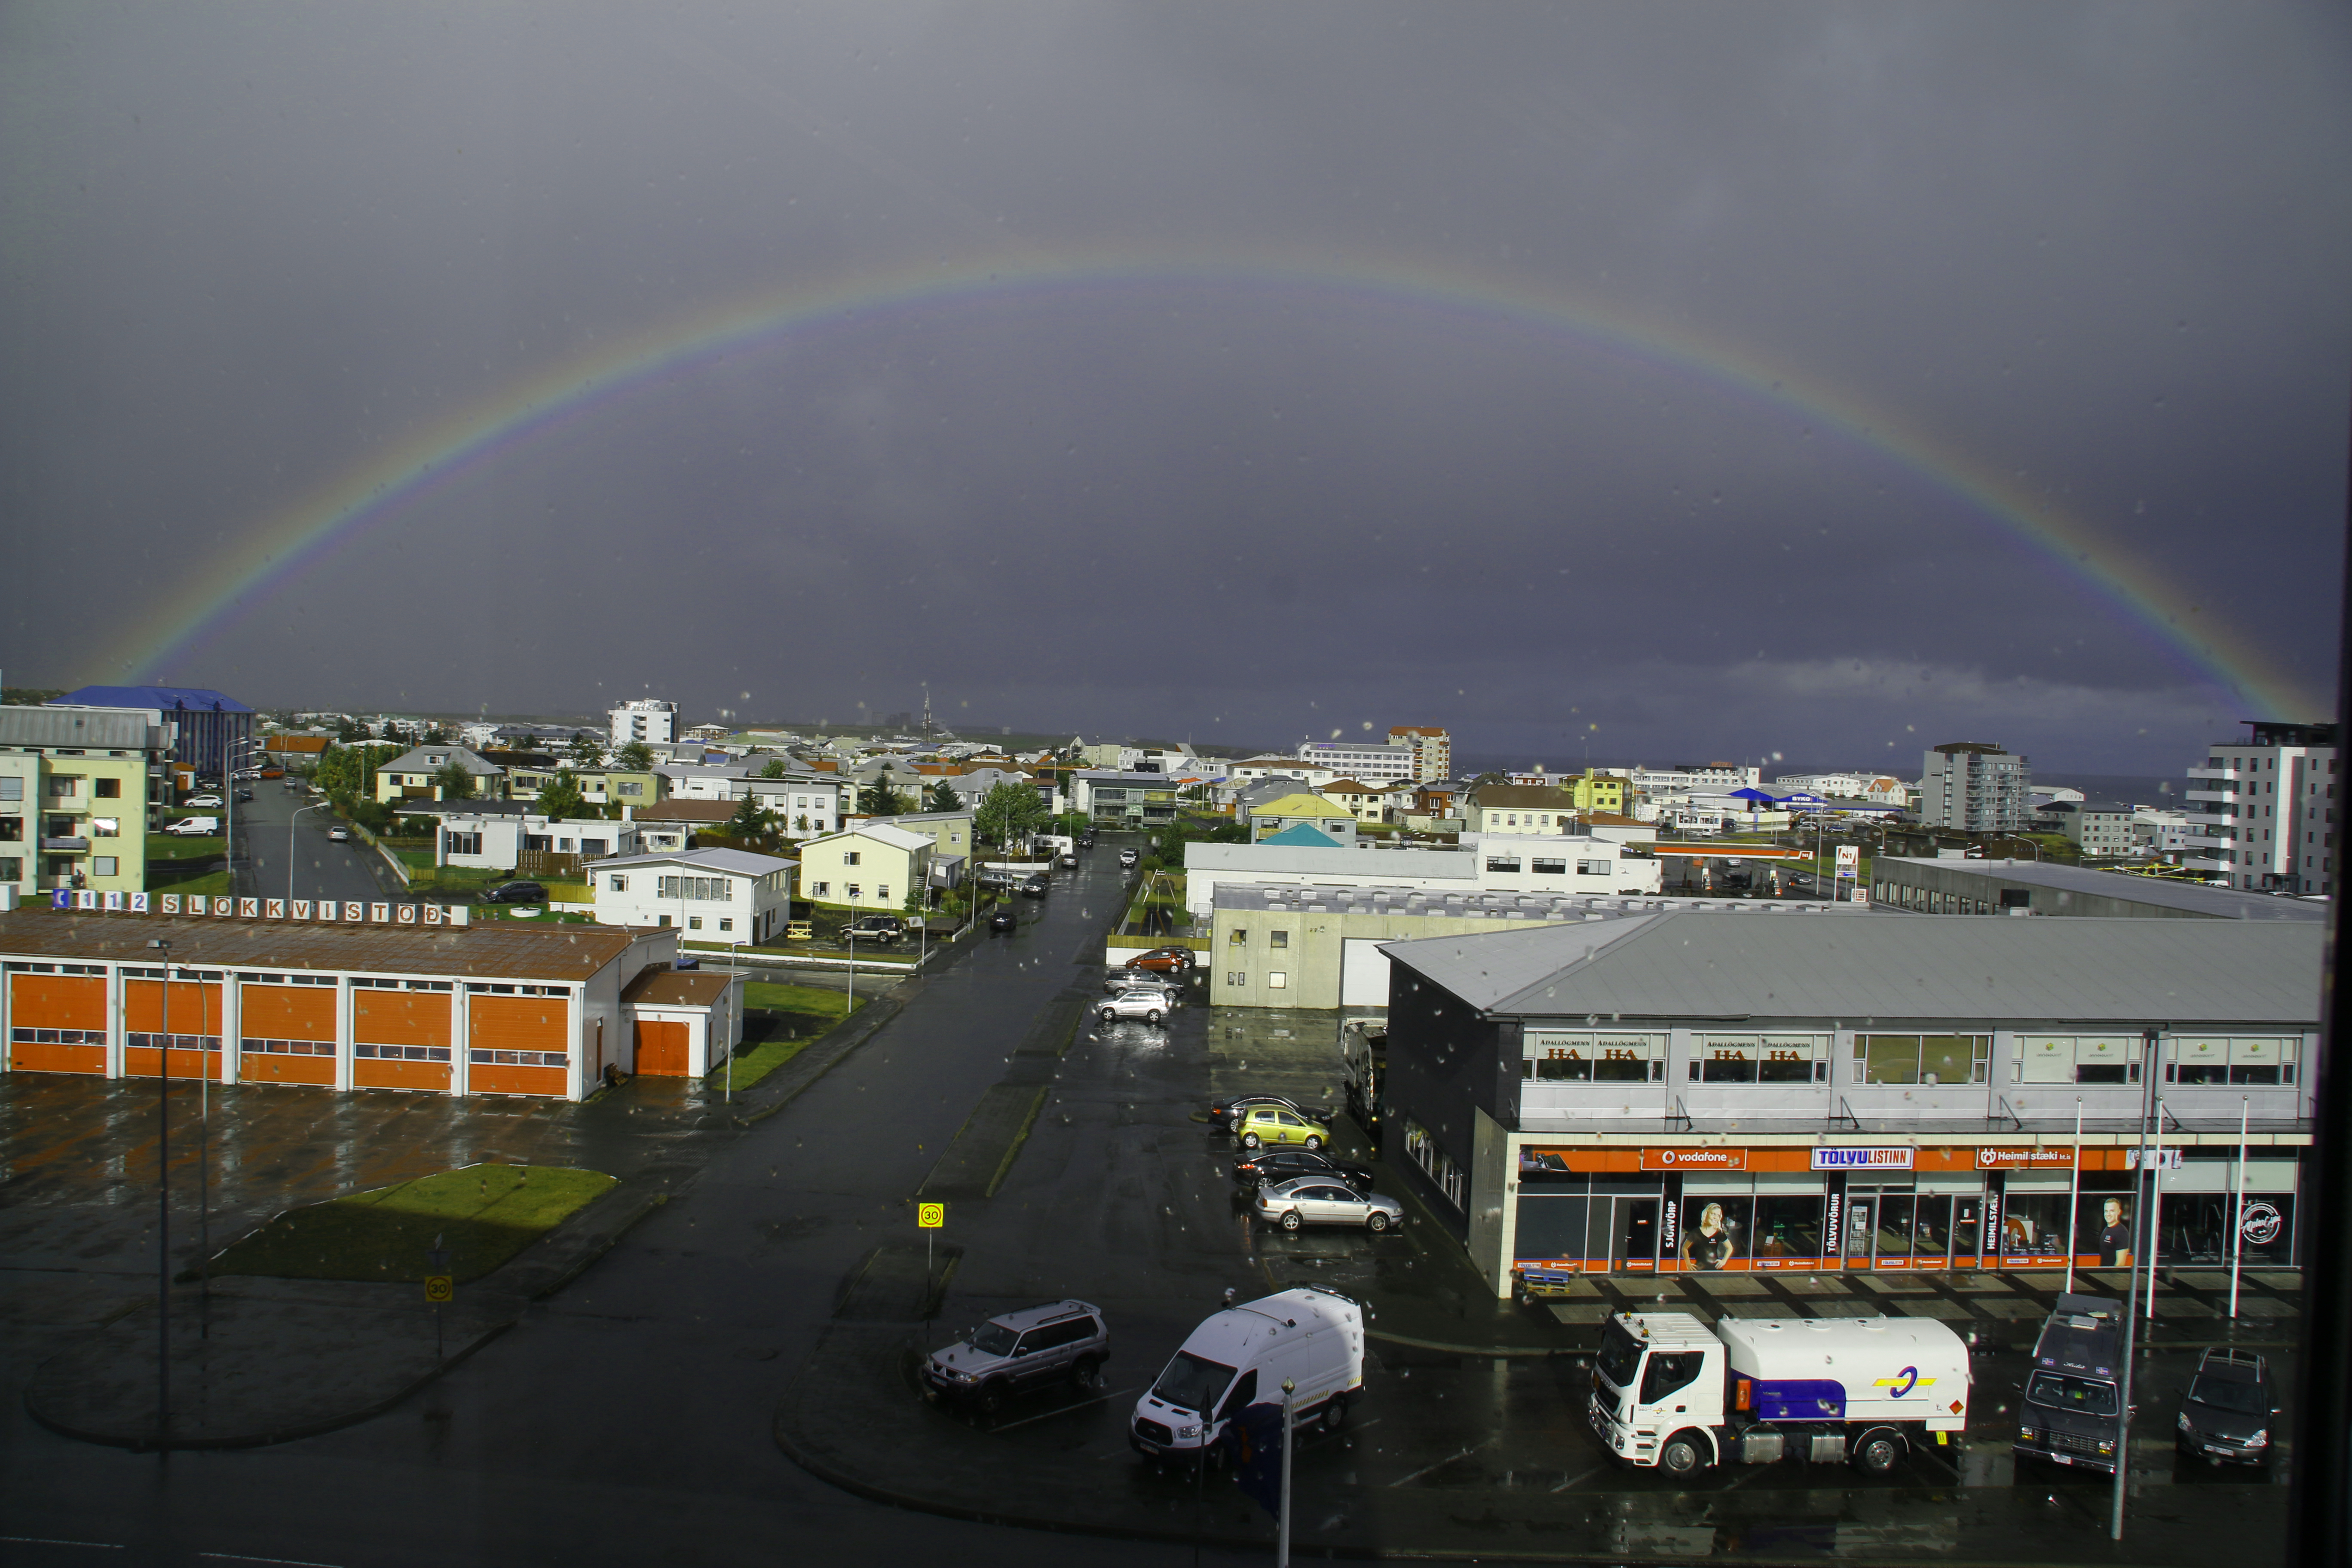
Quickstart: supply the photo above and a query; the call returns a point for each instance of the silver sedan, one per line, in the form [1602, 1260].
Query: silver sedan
[1320, 1199]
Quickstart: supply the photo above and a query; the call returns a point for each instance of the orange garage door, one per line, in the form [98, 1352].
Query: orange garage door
[661, 1048]
[519, 1044]
[286, 1034]
[402, 1039]
[56, 1023]
[195, 1017]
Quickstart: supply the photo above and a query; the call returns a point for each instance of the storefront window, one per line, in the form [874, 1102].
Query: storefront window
[1761, 1058]
[1788, 1227]
[1552, 1221]
[1922, 1058]
[1602, 1055]
[1716, 1231]
[2034, 1230]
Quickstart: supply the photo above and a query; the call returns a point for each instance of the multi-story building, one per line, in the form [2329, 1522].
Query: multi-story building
[2268, 809]
[1359, 760]
[648, 719]
[1683, 777]
[1432, 750]
[2101, 829]
[210, 731]
[78, 788]
[1714, 1091]
[1974, 786]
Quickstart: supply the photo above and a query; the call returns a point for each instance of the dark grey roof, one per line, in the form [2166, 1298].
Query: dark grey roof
[2193, 898]
[1711, 965]
[1501, 906]
[99, 729]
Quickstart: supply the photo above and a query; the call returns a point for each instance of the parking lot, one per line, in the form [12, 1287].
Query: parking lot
[1122, 1195]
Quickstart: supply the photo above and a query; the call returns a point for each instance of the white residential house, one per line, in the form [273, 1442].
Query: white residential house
[725, 895]
[868, 868]
[808, 803]
[495, 841]
[1363, 801]
[705, 781]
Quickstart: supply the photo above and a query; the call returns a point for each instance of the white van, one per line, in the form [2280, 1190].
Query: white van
[1239, 1357]
[195, 827]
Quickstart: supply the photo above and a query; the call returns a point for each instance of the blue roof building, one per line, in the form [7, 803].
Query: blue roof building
[210, 723]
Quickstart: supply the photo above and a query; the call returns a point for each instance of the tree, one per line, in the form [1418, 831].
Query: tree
[636, 757]
[586, 749]
[943, 797]
[1007, 812]
[560, 797]
[774, 769]
[878, 799]
[751, 823]
[453, 781]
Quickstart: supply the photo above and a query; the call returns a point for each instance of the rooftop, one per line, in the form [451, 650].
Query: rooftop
[86, 728]
[1736, 965]
[741, 862]
[499, 950]
[677, 988]
[2191, 898]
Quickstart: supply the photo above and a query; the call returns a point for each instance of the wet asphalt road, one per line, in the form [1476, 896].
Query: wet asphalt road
[320, 869]
[628, 1420]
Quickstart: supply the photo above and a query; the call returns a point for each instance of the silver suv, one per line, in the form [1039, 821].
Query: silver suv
[1148, 1006]
[1017, 1350]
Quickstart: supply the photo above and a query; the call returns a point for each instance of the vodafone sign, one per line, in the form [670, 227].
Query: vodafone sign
[1693, 1159]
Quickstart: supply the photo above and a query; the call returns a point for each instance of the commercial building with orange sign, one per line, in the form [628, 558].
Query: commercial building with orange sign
[359, 996]
[1734, 1090]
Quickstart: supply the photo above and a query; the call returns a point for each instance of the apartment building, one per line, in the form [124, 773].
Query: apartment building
[2266, 810]
[78, 790]
[1974, 786]
[1432, 750]
[1361, 760]
[648, 719]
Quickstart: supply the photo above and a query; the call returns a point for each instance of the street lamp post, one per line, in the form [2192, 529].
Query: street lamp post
[164, 1209]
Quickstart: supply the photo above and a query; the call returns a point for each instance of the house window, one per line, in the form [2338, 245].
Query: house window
[726, 925]
[12, 787]
[1239, 937]
[1275, 980]
[883, 891]
[1603, 1055]
[102, 865]
[1278, 939]
[628, 786]
[819, 890]
[849, 857]
[619, 884]
[1549, 868]
[1502, 863]
[462, 843]
[1929, 1059]
[694, 923]
[106, 827]
[2077, 1058]
[109, 789]
[852, 887]
[1761, 1058]
[665, 920]
[1592, 868]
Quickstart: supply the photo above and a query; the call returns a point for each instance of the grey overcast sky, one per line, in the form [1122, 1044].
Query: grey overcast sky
[1639, 382]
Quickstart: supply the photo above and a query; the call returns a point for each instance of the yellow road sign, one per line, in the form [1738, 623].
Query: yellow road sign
[931, 1216]
[439, 1287]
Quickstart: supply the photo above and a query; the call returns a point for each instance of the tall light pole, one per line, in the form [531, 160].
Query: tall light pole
[164, 1210]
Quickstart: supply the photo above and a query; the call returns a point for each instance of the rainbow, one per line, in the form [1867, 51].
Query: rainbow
[472, 437]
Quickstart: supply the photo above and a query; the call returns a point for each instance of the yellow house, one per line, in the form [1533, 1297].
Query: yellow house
[1596, 792]
[869, 867]
[1290, 810]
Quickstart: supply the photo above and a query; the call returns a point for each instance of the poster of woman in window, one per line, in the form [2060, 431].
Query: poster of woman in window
[1711, 1240]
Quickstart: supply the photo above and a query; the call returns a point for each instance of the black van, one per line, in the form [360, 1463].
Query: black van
[2073, 1411]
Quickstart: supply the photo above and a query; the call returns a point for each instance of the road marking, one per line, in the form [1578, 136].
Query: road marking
[1585, 1476]
[52, 1541]
[1066, 1409]
[1442, 1463]
[290, 1562]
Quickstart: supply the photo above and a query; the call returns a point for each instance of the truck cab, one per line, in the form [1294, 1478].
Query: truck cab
[2073, 1411]
[1657, 1387]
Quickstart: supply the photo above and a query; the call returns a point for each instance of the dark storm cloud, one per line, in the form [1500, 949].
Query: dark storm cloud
[2094, 250]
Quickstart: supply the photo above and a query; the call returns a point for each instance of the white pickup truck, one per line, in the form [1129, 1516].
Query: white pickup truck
[1669, 1392]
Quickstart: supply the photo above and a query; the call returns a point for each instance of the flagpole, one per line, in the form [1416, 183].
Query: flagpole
[2238, 1209]
[2074, 1197]
[2154, 1207]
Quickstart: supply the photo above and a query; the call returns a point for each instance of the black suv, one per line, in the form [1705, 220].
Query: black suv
[2227, 1410]
[2073, 1411]
[516, 893]
[877, 928]
[1034, 888]
[1023, 1350]
[1004, 918]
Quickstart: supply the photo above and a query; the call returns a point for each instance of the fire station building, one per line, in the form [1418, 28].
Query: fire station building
[353, 996]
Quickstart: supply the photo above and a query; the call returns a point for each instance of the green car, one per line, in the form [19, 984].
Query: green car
[1271, 1125]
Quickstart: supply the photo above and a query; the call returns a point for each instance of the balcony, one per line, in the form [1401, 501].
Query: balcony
[64, 846]
[2232, 774]
[2225, 797]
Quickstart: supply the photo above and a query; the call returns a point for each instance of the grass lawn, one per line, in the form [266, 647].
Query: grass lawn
[211, 882]
[815, 1001]
[484, 1215]
[756, 1062]
[172, 846]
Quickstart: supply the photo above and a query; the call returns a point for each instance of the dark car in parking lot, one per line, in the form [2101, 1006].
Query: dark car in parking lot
[516, 893]
[2226, 1415]
[1288, 1164]
[1004, 918]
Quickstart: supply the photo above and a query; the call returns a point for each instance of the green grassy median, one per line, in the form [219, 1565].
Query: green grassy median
[484, 1215]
